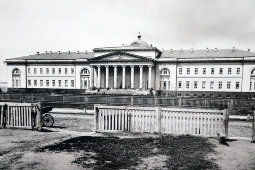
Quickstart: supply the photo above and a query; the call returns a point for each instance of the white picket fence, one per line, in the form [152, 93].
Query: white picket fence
[161, 120]
[18, 115]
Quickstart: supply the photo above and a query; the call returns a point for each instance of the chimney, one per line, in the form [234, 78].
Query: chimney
[171, 50]
[86, 52]
[37, 53]
[58, 52]
[207, 49]
[192, 50]
[77, 52]
[46, 52]
[69, 52]
[50, 52]
[215, 49]
[233, 49]
[181, 50]
[249, 50]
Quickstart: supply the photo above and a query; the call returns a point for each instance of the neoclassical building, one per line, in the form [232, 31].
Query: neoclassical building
[137, 68]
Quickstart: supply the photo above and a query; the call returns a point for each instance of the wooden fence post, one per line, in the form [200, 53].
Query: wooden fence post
[5, 107]
[180, 102]
[132, 100]
[225, 122]
[253, 128]
[39, 116]
[96, 112]
[156, 101]
[158, 113]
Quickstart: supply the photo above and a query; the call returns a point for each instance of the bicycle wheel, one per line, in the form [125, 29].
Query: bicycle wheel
[48, 120]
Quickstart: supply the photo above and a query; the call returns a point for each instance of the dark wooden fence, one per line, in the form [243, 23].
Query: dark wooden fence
[81, 101]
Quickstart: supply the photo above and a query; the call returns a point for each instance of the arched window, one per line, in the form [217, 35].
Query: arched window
[84, 71]
[165, 83]
[85, 78]
[16, 81]
[165, 71]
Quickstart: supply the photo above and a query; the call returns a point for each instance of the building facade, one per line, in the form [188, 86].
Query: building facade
[137, 68]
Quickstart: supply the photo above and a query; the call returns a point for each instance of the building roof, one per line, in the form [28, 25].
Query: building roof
[206, 53]
[57, 56]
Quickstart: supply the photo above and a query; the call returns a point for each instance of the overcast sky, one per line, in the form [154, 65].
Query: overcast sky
[28, 26]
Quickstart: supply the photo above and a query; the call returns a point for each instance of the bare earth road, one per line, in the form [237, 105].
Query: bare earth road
[17, 147]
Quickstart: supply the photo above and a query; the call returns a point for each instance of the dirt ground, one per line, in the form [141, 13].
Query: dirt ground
[18, 147]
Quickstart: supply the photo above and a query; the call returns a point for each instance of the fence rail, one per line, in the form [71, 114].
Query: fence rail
[90, 100]
[162, 120]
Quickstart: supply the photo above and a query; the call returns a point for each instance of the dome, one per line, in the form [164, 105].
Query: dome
[139, 42]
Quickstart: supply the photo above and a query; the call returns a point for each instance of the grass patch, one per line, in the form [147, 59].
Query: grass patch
[183, 152]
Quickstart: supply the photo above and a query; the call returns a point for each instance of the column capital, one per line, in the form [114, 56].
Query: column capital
[98, 66]
[107, 66]
[150, 66]
[132, 66]
[92, 66]
[115, 66]
[141, 66]
[123, 66]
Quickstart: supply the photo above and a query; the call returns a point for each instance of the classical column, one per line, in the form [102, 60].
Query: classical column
[107, 77]
[132, 76]
[115, 76]
[123, 77]
[91, 77]
[149, 78]
[141, 77]
[95, 77]
[98, 76]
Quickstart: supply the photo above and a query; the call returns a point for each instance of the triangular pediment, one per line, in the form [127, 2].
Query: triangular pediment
[120, 56]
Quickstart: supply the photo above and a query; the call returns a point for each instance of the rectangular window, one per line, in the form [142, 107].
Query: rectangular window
[180, 84]
[53, 70]
[35, 71]
[212, 70]
[47, 83]
[29, 82]
[211, 84]
[228, 84]
[47, 71]
[238, 71]
[72, 70]
[229, 70]
[187, 84]
[41, 82]
[66, 83]
[203, 84]
[53, 83]
[221, 71]
[35, 82]
[254, 85]
[195, 84]
[29, 71]
[180, 71]
[59, 71]
[196, 70]
[41, 70]
[59, 83]
[66, 71]
[237, 85]
[72, 83]
[220, 84]
[188, 70]
[204, 70]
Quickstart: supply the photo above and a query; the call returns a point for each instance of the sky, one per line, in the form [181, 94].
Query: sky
[28, 26]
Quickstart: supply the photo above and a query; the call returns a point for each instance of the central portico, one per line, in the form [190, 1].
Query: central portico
[122, 70]
[124, 67]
